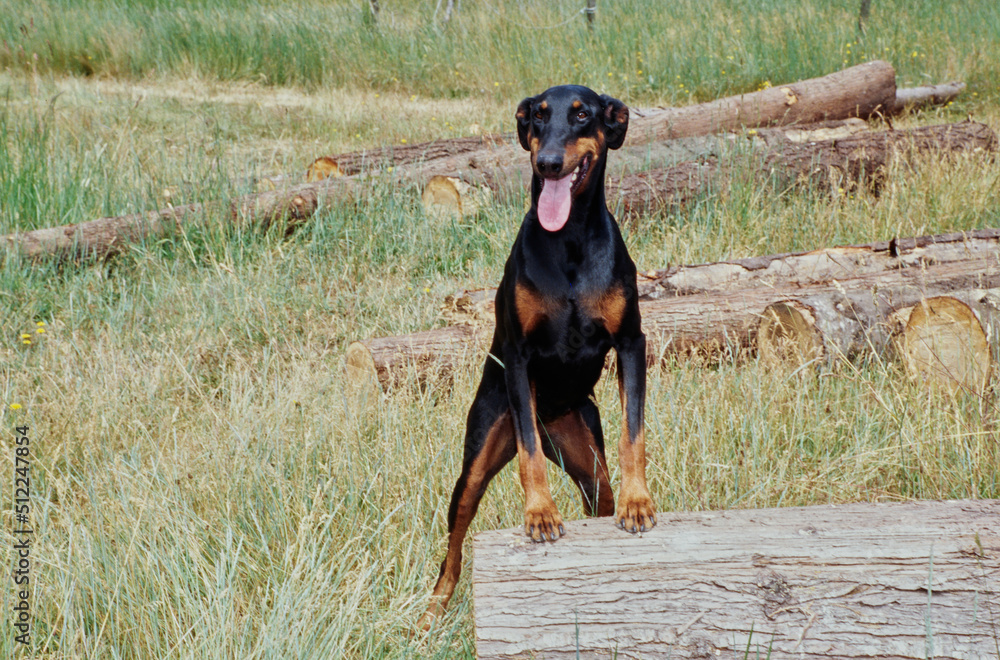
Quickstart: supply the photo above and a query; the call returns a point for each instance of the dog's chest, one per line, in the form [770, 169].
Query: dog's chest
[571, 319]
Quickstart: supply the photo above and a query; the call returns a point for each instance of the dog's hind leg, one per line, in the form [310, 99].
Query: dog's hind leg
[489, 445]
[575, 442]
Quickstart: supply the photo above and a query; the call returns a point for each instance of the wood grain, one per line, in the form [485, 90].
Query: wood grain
[899, 580]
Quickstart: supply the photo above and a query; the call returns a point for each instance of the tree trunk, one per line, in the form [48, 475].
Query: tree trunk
[106, 236]
[859, 91]
[843, 318]
[838, 164]
[901, 580]
[917, 97]
[977, 248]
[841, 161]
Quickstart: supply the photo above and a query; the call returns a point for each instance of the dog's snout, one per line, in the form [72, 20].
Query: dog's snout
[549, 164]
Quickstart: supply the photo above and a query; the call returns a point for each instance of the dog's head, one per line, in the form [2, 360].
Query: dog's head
[568, 130]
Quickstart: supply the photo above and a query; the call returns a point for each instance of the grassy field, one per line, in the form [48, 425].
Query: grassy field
[203, 486]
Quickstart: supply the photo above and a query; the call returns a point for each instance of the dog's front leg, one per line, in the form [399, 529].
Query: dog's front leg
[542, 521]
[636, 512]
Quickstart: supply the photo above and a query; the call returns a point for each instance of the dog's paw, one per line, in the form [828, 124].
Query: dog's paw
[636, 513]
[543, 523]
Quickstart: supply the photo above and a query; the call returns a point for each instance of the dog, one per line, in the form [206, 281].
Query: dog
[567, 297]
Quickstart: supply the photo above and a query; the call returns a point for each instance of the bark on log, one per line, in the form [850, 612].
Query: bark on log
[847, 317]
[901, 580]
[859, 91]
[952, 340]
[356, 162]
[912, 98]
[837, 164]
[834, 161]
[979, 248]
[106, 236]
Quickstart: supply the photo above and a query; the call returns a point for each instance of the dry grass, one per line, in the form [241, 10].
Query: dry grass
[204, 485]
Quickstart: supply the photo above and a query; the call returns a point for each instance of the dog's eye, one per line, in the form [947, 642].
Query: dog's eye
[582, 115]
[538, 115]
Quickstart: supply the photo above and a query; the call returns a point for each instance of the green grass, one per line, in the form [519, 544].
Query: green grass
[691, 50]
[204, 484]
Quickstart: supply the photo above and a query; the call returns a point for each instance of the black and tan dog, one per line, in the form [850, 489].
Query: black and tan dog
[568, 296]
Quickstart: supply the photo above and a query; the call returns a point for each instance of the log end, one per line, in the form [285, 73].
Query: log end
[323, 167]
[362, 377]
[448, 196]
[944, 344]
[787, 335]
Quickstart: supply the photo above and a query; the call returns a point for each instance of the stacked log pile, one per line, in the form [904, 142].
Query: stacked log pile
[861, 91]
[931, 300]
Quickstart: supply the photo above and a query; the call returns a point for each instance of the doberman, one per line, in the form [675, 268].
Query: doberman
[568, 296]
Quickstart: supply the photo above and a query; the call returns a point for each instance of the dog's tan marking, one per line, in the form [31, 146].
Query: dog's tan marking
[609, 308]
[635, 506]
[530, 307]
[541, 517]
[577, 452]
[498, 450]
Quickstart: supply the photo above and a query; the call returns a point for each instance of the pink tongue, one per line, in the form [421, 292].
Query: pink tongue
[554, 202]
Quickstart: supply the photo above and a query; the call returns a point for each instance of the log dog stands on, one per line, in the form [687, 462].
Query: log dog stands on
[901, 580]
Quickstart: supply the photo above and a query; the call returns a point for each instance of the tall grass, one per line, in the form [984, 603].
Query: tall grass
[687, 50]
[206, 483]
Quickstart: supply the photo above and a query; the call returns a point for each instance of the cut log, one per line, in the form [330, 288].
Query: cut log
[415, 357]
[107, 236]
[947, 339]
[912, 98]
[448, 196]
[865, 158]
[841, 319]
[846, 317]
[859, 91]
[900, 580]
[978, 248]
[356, 162]
[838, 164]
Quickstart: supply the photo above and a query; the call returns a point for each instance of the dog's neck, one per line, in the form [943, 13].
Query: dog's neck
[589, 208]
[580, 255]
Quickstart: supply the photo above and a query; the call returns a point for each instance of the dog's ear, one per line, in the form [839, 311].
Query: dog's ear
[524, 121]
[615, 121]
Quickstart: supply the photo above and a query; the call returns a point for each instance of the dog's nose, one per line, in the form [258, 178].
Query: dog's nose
[549, 164]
